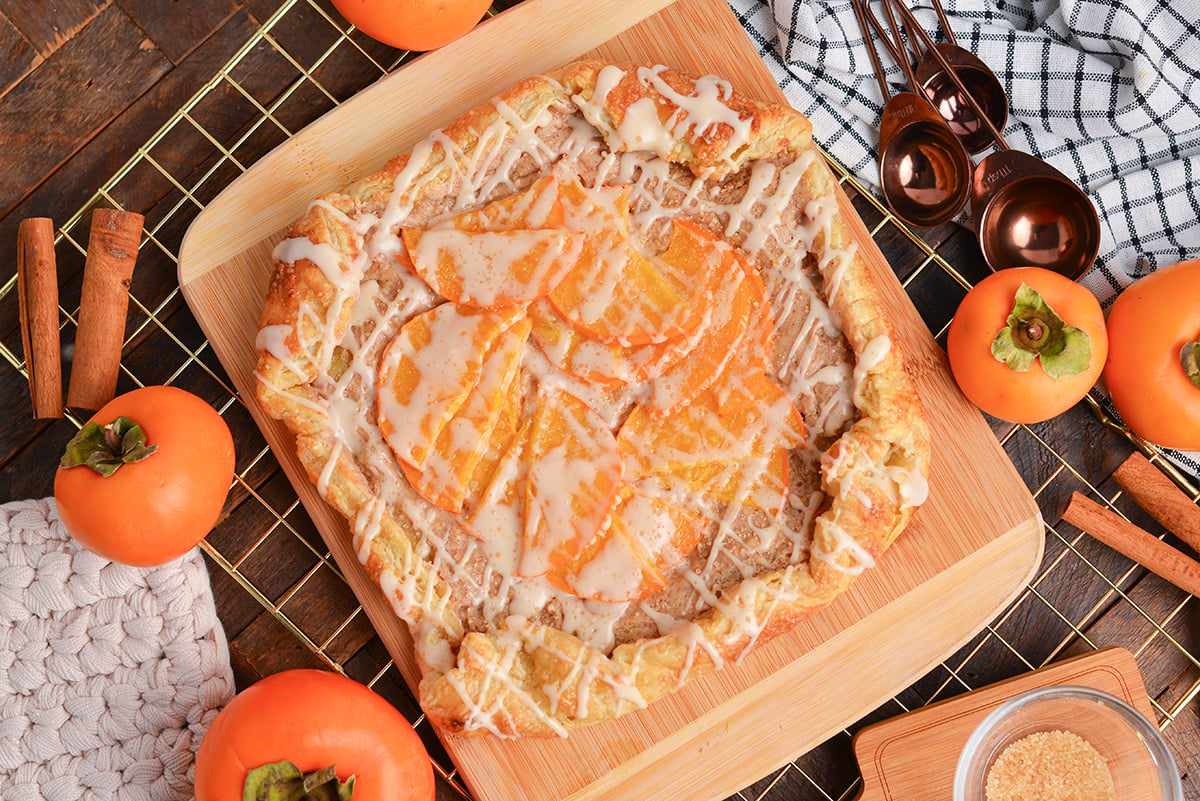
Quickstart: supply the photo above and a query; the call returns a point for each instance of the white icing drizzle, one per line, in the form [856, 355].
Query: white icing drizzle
[366, 526]
[912, 486]
[273, 339]
[844, 543]
[324, 255]
[871, 357]
[696, 116]
[313, 406]
[330, 465]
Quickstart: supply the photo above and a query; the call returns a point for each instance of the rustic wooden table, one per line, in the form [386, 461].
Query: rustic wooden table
[153, 107]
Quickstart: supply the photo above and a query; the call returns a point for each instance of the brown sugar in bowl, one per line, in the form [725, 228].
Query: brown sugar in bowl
[1049, 766]
[1066, 743]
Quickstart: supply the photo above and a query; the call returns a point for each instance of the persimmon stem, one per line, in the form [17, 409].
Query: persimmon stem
[283, 781]
[1035, 333]
[1189, 357]
[106, 448]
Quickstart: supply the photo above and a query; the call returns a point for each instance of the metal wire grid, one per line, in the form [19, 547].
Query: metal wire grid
[274, 115]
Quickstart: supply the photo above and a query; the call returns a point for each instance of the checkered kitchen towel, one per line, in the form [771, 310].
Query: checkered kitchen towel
[1107, 91]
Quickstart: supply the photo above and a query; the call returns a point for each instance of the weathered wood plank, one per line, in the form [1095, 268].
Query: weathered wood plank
[326, 605]
[28, 470]
[267, 647]
[47, 26]
[63, 191]
[177, 28]
[17, 56]
[87, 82]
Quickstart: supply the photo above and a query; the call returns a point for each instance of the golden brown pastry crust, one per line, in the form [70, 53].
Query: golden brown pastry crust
[496, 680]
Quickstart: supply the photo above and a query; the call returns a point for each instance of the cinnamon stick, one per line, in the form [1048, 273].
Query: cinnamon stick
[1134, 542]
[1161, 497]
[103, 306]
[37, 295]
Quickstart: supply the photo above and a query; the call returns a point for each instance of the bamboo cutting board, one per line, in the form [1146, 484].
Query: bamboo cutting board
[967, 553]
[915, 755]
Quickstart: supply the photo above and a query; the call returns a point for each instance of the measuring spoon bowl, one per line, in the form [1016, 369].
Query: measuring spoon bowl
[981, 83]
[1029, 214]
[924, 171]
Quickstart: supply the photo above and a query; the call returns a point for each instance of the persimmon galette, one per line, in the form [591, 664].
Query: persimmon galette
[602, 387]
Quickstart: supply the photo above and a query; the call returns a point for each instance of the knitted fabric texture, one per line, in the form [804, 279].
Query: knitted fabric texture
[109, 675]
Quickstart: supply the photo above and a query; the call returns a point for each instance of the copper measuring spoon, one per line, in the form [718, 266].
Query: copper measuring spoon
[981, 82]
[1027, 213]
[924, 171]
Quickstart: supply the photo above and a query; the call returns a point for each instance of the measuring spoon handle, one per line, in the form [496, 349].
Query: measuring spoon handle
[910, 20]
[860, 14]
[945, 22]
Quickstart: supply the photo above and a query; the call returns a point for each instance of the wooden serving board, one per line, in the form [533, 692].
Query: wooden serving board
[967, 553]
[915, 755]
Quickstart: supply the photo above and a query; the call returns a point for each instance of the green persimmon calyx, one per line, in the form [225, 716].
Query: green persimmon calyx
[283, 781]
[1036, 333]
[105, 448]
[1189, 357]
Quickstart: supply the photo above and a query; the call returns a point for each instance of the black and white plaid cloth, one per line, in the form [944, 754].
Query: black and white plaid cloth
[1107, 91]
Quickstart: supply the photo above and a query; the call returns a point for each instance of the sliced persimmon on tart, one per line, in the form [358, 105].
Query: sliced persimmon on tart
[635, 554]
[739, 303]
[429, 370]
[538, 207]
[597, 362]
[574, 475]
[743, 415]
[494, 268]
[618, 294]
[602, 388]
[445, 474]
[755, 482]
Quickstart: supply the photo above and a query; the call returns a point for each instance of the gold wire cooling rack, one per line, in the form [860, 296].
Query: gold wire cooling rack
[1082, 597]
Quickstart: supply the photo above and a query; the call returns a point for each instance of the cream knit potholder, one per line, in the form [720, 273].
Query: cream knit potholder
[109, 675]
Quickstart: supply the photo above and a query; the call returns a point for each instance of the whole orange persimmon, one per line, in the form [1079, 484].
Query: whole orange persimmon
[314, 724]
[1026, 344]
[146, 478]
[413, 24]
[1153, 370]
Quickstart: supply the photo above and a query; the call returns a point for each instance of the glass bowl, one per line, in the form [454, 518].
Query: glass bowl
[1138, 758]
